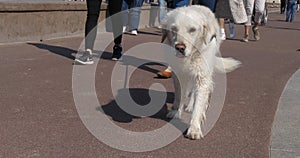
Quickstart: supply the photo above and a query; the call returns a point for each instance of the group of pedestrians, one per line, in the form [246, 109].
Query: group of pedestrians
[235, 10]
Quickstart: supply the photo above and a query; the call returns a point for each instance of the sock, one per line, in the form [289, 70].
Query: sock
[222, 30]
[89, 51]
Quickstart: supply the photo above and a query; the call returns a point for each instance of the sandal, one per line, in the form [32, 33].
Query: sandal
[164, 74]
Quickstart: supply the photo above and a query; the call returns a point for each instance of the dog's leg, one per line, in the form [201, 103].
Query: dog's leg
[176, 110]
[190, 105]
[200, 106]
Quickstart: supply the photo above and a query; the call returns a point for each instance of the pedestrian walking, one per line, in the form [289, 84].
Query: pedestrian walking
[93, 11]
[290, 10]
[282, 6]
[259, 6]
[131, 11]
[234, 10]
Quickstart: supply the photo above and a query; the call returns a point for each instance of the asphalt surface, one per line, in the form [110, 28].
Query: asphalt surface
[39, 118]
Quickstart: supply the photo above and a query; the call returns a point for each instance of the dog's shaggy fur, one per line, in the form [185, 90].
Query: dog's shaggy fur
[194, 32]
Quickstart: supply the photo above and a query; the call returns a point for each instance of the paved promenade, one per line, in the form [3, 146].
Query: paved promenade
[38, 116]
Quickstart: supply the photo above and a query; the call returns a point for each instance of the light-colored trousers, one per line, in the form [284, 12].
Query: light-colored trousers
[259, 9]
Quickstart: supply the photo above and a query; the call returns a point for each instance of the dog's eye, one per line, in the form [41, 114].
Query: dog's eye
[192, 30]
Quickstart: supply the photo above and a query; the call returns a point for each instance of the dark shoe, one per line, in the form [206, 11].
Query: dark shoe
[164, 74]
[86, 58]
[117, 53]
[256, 33]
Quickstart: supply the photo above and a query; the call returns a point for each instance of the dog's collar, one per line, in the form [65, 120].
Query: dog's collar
[212, 37]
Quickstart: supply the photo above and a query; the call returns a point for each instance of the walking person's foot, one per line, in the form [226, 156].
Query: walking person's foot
[245, 38]
[117, 53]
[86, 58]
[256, 33]
[134, 32]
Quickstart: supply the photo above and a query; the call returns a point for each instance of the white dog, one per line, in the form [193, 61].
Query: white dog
[194, 33]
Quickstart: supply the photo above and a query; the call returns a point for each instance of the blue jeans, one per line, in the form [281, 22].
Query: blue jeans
[290, 10]
[181, 3]
[211, 4]
[131, 10]
[162, 10]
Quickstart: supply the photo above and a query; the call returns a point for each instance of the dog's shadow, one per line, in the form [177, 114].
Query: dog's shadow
[141, 98]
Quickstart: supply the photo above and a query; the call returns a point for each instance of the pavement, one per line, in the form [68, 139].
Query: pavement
[285, 132]
[39, 119]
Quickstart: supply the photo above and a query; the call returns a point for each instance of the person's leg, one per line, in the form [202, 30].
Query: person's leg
[134, 15]
[281, 6]
[162, 10]
[259, 10]
[288, 11]
[114, 7]
[124, 13]
[231, 29]
[222, 29]
[249, 10]
[293, 10]
[93, 10]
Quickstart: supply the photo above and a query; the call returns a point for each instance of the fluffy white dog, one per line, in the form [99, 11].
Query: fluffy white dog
[194, 33]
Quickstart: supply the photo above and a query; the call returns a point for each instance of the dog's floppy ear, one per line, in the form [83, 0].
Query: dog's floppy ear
[165, 30]
[209, 33]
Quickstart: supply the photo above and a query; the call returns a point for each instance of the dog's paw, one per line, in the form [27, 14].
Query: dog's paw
[194, 132]
[173, 114]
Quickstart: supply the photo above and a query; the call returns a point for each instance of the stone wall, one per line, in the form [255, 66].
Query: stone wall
[21, 22]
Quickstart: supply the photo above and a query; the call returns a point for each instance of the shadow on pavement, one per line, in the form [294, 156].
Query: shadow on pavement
[285, 28]
[127, 60]
[59, 50]
[142, 64]
[140, 97]
[149, 33]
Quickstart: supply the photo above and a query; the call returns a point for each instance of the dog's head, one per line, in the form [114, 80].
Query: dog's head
[190, 29]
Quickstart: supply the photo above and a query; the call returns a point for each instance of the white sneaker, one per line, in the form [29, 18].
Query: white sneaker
[134, 32]
[223, 36]
[124, 29]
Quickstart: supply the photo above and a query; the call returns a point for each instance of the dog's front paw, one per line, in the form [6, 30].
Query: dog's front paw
[194, 132]
[173, 114]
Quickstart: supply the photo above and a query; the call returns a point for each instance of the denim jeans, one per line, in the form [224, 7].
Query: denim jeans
[211, 4]
[162, 10]
[93, 11]
[181, 3]
[131, 10]
[290, 10]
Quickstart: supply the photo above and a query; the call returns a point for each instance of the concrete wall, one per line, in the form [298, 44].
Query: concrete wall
[271, 1]
[21, 21]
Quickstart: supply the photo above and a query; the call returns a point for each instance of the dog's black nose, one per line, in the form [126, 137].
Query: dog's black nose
[180, 47]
